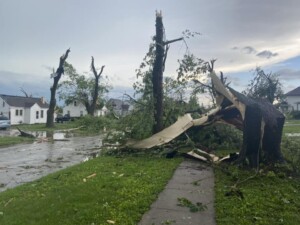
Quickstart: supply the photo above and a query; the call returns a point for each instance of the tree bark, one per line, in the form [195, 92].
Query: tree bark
[96, 88]
[157, 74]
[59, 72]
[262, 131]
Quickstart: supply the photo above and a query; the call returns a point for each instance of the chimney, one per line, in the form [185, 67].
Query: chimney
[43, 100]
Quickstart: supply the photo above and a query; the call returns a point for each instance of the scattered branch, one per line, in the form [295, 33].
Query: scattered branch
[172, 41]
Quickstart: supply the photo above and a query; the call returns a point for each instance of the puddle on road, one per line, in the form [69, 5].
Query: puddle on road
[60, 135]
[27, 162]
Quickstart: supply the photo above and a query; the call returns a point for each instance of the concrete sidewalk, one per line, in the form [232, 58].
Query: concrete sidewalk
[193, 181]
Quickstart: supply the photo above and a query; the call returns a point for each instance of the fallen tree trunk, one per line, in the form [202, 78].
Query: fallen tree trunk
[24, 134]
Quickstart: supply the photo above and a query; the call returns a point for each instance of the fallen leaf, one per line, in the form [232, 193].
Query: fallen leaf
[111, 221]
[121, 175]
[84, 180]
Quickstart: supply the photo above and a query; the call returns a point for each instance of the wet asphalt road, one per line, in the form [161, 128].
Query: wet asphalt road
[27, 162]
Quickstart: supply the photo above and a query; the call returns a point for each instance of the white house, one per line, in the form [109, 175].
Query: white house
[21, 109]
[77, 109]
[293, 99]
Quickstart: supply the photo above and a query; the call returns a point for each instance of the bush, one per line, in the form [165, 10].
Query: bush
[291, 151]
[218, 137]
[294, 115]
[96, 124]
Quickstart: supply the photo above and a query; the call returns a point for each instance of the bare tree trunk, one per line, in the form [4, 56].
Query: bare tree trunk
[96, 88]
[59, 72]
[157, 75]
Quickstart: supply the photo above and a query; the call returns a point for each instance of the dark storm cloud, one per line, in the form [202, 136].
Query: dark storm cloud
[266, 54]
[249, 50]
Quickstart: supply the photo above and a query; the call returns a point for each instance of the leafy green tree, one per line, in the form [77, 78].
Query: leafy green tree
[193, 73]
[80, 88]
[265, 85]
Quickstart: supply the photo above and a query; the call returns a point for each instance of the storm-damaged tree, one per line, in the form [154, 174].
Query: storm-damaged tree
[265, 86]
[56, 77]
[194, 72]
[161, 51]
[82, 89]
[260, 122]
[95, 93]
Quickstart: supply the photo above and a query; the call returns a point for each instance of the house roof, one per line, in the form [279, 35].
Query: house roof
[26, 102]
[295, 92]
[118, 104]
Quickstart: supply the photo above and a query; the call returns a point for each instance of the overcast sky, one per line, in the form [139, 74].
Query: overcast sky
[239, 34]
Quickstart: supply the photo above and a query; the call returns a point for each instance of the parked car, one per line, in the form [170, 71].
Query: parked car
[4, 122]
[61, 118]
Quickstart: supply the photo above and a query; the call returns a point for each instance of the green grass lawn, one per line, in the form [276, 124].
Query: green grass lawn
[42, 127]
[291, 126]
[268, 198]
[287, 122]
[105, 189]
[6, 141]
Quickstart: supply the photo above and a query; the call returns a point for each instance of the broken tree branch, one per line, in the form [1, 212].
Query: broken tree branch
[172, 41]
[94, 69]
[59, 72]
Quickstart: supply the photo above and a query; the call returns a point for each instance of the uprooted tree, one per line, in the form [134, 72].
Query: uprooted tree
[259, 120]
[56, 77]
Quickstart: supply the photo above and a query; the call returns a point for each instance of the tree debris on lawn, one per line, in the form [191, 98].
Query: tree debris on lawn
[259, 120]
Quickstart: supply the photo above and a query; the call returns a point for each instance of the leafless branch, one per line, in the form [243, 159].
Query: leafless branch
[174, 40]
[165, 56]
[205, 85]
[133, 99]
[24, 92]
[211, 65]
[63, 58]
[94, 69]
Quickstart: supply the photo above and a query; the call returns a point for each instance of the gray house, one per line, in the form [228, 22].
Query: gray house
[119, 107]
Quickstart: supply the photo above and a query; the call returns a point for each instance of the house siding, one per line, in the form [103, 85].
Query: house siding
[75, 111]
[17, 118]
[33, 114]
[294, 102]
[4, 107]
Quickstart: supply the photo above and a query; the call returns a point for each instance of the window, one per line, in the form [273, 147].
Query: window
[3, 104]
[42, 113]
[68, 112]
[17, 112]
[37, 114]
[81, 113]
[75, 103]
[21, 112]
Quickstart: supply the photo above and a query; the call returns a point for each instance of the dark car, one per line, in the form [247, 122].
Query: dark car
[61, 118]
[4, 122]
